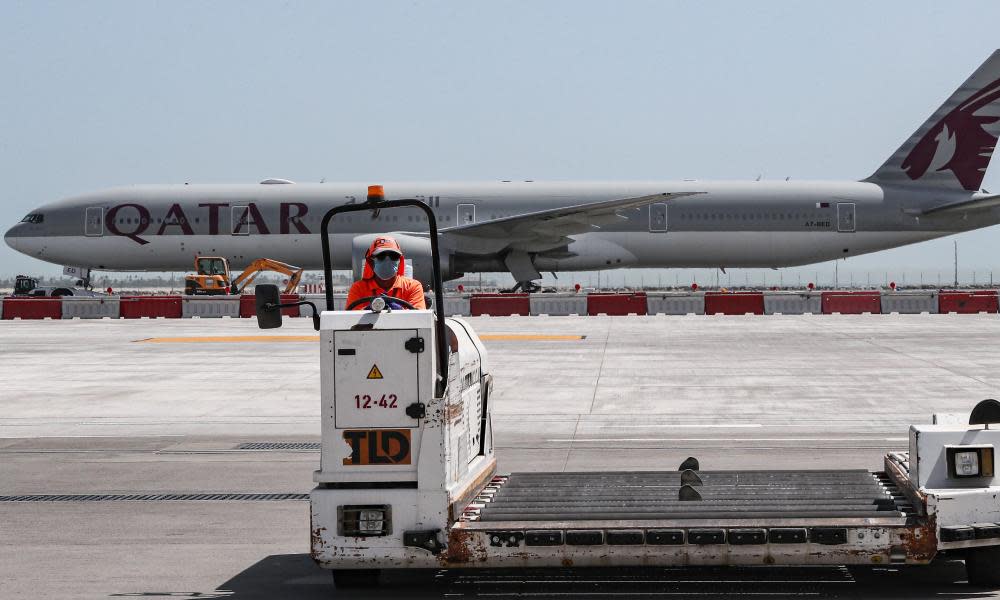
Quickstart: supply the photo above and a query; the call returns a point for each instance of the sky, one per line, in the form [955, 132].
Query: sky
[101, 94]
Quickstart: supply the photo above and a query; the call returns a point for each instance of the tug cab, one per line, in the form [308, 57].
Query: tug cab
[407, 475]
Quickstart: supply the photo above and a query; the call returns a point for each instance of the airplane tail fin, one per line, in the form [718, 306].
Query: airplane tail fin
[953, 147]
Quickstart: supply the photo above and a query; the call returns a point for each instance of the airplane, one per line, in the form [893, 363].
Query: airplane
[928, 188]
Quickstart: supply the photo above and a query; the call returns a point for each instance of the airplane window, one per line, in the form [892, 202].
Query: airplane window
[34, 218]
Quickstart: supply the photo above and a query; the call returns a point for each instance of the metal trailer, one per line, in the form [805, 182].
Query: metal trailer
[407, 477]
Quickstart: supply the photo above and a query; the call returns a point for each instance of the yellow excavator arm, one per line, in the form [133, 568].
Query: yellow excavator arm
[266, 264]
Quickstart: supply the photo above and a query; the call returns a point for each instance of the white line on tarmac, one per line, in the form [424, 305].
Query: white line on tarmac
[677, 426]
[814, 439]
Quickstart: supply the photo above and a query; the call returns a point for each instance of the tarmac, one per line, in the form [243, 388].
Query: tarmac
[153, 407]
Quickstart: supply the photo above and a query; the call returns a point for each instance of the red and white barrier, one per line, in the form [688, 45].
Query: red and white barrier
[32, 308]
[210, 307]
[86, 307]
[611, 304]
[559, 304]
[687, 303]
[248, 305]
[910, 303]
[499, 305]
[852, 303]
[616, 304]
[151, 307]
[734, 303]
[792, 303]
[968, 302]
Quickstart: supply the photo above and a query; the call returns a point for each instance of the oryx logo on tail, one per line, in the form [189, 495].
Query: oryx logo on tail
[962, 141]
[952, 149]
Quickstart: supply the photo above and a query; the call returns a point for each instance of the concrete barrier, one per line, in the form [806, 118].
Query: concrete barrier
[910, 302]
[248, 305]
[84, 307]
[616, 304]
[32, 308]
[210, 307]
[790, 303]
[675, 304]
[968, 302]
[339, 303]
[734, 303]
[456, 305]
[558, 304]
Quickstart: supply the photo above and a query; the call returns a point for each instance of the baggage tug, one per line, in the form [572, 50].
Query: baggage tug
[407, 475]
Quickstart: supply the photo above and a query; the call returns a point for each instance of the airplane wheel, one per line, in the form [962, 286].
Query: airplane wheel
[355, 578]
[981, 564]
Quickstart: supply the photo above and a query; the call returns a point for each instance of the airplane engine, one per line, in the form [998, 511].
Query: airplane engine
[417, 252]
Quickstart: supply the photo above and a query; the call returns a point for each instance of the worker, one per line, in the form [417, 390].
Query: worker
[383, 274]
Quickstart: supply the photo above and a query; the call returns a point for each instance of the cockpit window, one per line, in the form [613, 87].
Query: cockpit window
[35, 218]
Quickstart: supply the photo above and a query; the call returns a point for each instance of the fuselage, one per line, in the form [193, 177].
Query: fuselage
[728, 224]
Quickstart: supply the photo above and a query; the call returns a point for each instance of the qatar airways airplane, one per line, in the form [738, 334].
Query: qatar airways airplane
[928, 188]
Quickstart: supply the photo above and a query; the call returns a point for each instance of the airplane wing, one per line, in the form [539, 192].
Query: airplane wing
[544, 229]
[974, 203]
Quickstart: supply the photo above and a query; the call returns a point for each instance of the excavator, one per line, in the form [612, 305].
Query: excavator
[212, 276]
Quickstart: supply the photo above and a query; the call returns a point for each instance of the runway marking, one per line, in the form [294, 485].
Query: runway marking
[609, 439]
[499, 337]
[678, 426]
[231, 338]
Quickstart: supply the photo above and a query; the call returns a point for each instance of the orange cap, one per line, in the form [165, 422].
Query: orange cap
[376, 192]
[384, 244]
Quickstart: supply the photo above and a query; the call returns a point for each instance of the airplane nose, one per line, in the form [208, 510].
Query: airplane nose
[10, 238]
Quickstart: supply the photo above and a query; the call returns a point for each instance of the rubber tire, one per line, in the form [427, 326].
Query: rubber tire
[347, 579]
[983, 566]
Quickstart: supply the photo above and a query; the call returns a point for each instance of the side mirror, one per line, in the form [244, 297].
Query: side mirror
[267, 298]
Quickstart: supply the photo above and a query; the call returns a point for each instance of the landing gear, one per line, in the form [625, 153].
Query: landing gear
[529, 287]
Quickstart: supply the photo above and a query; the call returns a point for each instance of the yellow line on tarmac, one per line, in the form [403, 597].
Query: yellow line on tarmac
[315, 338]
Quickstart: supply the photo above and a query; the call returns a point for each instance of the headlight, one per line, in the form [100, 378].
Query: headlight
[372, 521]
[969, 461]
[364, 521]
[967, 464]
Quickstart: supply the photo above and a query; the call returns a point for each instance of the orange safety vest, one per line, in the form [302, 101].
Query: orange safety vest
[403, 287]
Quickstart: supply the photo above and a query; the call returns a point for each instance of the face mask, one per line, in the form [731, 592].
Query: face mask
[386, 266]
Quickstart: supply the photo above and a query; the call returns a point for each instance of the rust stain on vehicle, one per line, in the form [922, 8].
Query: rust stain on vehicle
[464, 547]
[316, 542]
[921, 542]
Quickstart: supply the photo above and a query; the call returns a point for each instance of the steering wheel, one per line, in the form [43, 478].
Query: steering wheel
[388, 299]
